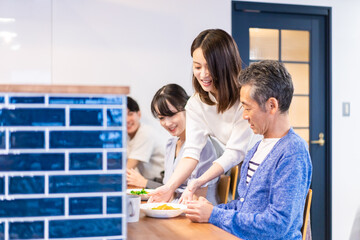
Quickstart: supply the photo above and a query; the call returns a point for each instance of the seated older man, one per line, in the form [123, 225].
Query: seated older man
[276, 173]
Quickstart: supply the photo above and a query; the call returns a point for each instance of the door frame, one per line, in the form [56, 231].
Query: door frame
[327, 13]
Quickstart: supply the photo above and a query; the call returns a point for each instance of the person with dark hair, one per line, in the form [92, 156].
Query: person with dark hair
[276, 174]
[214, 110]
[144, 152]
[168, 105]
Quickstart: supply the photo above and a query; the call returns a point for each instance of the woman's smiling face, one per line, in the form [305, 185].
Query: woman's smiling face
[175, 124]
[201, 71]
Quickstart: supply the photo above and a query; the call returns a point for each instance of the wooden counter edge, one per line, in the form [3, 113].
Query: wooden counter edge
[66, 89]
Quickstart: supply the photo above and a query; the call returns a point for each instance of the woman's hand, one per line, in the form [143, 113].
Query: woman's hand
[161, 194]
[199, 211]
[189, 191]
[135, 179]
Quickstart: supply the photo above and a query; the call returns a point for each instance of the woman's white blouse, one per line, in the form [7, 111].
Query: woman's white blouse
[229, 128]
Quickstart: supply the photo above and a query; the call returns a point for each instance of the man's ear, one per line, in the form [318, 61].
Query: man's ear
[273, 105]
[139, 113]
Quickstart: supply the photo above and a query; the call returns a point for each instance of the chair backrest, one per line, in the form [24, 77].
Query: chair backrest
[233, 180]
[306, 214]
[223, 188]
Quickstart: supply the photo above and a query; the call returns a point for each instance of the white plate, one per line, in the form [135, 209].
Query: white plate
[143, 196]
[147, 208]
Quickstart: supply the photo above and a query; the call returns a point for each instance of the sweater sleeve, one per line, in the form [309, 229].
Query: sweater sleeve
[290, 184]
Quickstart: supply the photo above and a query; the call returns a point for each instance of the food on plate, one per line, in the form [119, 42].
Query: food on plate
[164, 207]
[141, 192]
[162, 210]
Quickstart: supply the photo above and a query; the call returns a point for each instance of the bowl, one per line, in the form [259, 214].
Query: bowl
[147, 209]
[144, 197]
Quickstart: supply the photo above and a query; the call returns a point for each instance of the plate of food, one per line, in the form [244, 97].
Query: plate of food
[143, 192]
[162, 210]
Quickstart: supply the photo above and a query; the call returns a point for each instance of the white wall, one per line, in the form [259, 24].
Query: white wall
[146, 44]
[143, 44]
[25, 41]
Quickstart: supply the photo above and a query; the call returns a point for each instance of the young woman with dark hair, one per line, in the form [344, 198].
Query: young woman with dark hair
[168, 105]
[214, 110]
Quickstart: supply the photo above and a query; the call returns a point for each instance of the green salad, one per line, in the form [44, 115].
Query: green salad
[141, 192]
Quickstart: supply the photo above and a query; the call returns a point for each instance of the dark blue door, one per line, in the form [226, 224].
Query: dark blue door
[298, 36]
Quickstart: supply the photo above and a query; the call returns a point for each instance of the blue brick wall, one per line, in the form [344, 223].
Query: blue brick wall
[61, 166]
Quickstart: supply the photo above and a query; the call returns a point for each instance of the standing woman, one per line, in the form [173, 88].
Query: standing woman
[213, 110]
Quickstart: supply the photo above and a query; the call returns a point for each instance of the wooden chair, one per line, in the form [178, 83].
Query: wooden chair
[306, 214]
[234, 174]
[223, 188]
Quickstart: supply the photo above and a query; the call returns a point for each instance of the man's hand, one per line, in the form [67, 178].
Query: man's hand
[199, 211]
[189, 191]
[161, 194]
[134, 178]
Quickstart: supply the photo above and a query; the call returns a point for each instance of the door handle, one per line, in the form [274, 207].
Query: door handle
[321, 140]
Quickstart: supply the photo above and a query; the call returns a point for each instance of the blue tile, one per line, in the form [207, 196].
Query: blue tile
[32, 207]
[86, 117]
[85, 228]
[2, 140]
[114, 205]
[2, 186]
[27, 100]
[115, 100]
[85, 161]
[85, 205]
[2, 99]
[26, 185]
[32, 117]
[85, 183]
[26, 230]
[85, 139]
[114, 117]
[27, 139]
[114, 160]
[32, 162]
[2, 231]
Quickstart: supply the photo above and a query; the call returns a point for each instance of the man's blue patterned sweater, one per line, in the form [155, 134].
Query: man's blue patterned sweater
[271, 206]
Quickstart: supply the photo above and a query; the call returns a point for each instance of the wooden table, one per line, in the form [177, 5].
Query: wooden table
[174, 228]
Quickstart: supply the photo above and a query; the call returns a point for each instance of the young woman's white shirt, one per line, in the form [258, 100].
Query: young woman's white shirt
[229, 128]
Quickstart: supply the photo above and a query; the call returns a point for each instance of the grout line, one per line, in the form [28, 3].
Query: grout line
[46, 177]
[66, 205]
[104, 112]
[6, 189]
[46, 98]
[46, 229]
[47, 139]
[67, 116]
[7, 140]
[67, 157]
[105, 160]
[104, 205]
[6, 228]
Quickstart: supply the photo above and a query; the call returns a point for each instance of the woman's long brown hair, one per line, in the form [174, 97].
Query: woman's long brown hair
[222, 56]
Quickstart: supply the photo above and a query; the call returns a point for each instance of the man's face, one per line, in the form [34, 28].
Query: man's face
[132, 122]
[257, 117]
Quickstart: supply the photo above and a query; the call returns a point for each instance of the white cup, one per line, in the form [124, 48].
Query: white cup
[133, 208]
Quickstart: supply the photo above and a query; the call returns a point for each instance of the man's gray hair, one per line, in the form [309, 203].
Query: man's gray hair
[268, 79]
